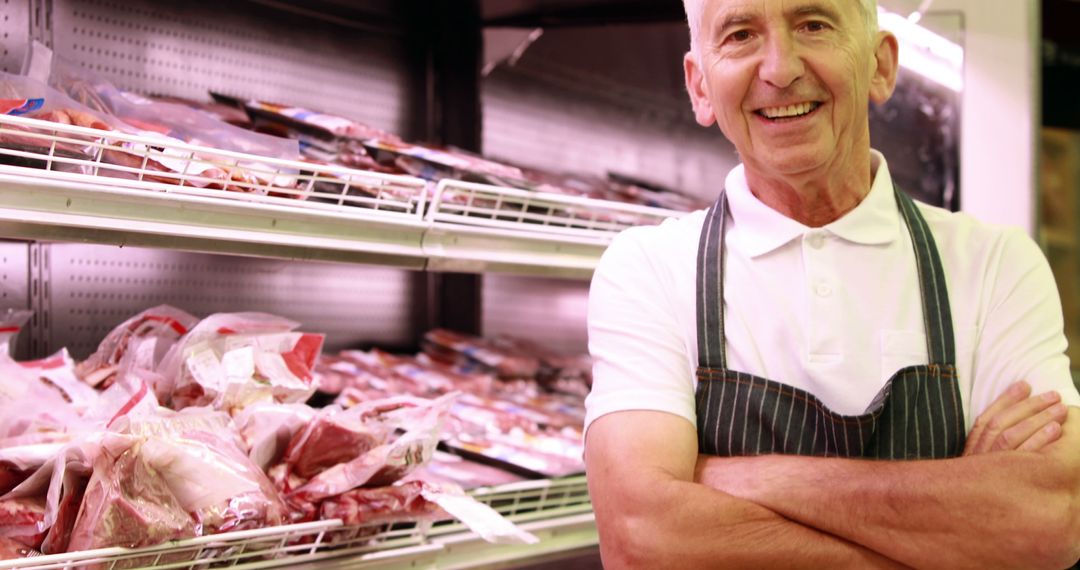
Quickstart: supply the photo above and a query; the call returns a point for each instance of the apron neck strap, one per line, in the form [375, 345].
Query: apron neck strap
[710, 288]
[937, 312]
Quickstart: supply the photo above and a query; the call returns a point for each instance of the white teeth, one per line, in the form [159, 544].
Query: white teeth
[789, 111]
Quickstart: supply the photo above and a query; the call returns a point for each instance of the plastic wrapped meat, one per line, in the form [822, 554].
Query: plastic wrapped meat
[332, 437]
[176, 476]
[404, 502]
[420, 500]
[449, 468]
[155, 330]
[268, 429]
[17, 463]
[33, 410]
[13, 550]
[421, 421]
[199, 456]
[504, 359]
[232, 360]
[17, 515]
[128, 503]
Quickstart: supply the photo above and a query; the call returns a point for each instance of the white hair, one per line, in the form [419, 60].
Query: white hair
[695, 9]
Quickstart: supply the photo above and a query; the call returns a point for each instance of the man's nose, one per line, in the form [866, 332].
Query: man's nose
[781, 64]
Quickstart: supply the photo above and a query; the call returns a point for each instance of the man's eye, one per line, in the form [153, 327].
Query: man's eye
[816, 26]
[740, 36]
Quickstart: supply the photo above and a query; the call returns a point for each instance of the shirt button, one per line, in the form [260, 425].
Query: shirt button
[816, 240]
[823, 290]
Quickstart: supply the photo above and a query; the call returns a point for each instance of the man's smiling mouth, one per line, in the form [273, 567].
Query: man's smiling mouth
[788, 111]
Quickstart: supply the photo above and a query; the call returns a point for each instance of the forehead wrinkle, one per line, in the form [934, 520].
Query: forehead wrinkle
[745, 14]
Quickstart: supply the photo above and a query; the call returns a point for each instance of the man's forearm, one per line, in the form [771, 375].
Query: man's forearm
[996, 510]
[687, 525]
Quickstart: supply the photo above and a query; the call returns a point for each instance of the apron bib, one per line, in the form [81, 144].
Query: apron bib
[917, 415]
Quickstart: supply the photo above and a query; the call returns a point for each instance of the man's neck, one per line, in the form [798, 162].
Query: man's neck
[814, 199]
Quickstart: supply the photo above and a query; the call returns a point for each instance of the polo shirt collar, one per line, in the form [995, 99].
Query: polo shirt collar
[757, 229]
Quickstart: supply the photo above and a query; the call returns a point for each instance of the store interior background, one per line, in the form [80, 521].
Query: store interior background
[590, 86]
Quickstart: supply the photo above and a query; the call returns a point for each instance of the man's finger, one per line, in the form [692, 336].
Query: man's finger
[1011, 416]
[1043, 437]
[1015, 393]
[994, 427]
[1024, 431]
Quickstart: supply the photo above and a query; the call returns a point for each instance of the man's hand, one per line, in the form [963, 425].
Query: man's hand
[1017, 421]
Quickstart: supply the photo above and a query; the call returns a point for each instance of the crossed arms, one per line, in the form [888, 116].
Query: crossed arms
[1012, 501]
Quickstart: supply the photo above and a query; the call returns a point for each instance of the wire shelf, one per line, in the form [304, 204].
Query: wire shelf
[556, 216]
[71, 153]
[289, 545]
[69, 183]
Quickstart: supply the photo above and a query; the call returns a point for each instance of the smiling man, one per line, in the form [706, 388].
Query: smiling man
[819, 372]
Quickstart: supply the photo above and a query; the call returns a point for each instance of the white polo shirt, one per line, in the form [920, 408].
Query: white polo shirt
[833, 310]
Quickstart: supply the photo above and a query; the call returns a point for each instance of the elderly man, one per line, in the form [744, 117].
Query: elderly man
[792, 379]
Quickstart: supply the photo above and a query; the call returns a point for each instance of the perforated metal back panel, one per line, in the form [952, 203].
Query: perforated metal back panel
[238, 48]
[549, 311]
[93, 288]
[14, 34]
[14, 287]
[605, 99]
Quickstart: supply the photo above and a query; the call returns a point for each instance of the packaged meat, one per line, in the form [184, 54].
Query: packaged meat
[177, 475]
[17, 463]
[232, 360]
[324, 125]
[129, 503]
[515, 457]
[469, 352]
[333, 436]
[13, 549]
[176, 121]
[58, 372]
[33, 410]
[449, 468]
[390, 461]
[149, 335]
[58, 485]
[268, 428]
[395, 503]
[423, 501]
[18, 519]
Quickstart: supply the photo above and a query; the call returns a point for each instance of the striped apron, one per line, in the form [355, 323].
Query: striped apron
[917, 415]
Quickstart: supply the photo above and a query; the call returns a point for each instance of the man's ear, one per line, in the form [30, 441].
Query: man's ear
[886, 60]
[695, 87]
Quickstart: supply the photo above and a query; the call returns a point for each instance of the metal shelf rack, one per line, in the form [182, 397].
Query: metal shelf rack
[557, 511]
[88, 185]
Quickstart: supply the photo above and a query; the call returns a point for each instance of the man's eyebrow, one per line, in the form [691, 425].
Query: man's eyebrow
[734, 19]
[826, 12]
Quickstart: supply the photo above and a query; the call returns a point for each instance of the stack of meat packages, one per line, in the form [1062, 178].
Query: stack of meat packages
[332, 139]
[179, 427]
[71, 95]
[521, 409]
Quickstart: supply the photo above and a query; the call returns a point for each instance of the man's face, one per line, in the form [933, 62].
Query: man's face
[789, 81]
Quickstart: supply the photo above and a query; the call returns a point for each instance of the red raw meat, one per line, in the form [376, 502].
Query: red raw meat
[128, 503]
[25, 513]
[330, 439]
[10, 476]
[12, 550]
[382, 504]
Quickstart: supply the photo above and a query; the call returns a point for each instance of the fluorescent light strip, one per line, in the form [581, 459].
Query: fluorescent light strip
[925, 52]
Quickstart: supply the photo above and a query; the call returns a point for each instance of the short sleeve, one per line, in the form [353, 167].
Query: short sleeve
[1021, 336]
[639, 352]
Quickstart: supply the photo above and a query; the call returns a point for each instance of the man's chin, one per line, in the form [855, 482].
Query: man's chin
[788, 163]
